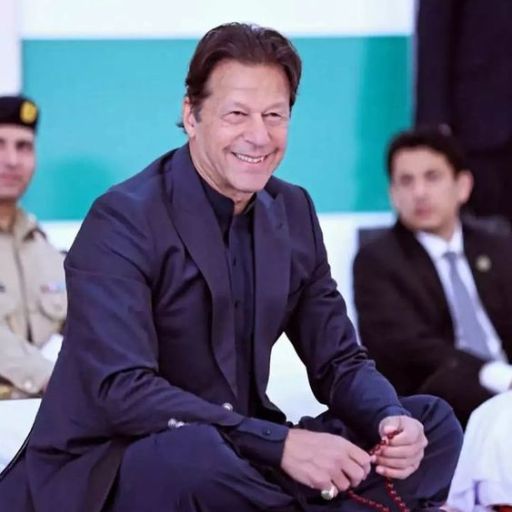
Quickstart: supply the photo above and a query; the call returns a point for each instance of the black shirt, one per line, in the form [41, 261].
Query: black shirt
[237, 232]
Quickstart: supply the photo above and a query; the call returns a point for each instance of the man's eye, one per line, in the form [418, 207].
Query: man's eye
[235, 116]
[405, 181]
[433, 176]
[275, 118]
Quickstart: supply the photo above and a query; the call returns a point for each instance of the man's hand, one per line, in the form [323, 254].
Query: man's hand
[400, 456]
[320, 460]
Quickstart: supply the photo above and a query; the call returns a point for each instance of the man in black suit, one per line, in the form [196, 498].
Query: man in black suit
[180, 281]
[464, 80]
[434, 294]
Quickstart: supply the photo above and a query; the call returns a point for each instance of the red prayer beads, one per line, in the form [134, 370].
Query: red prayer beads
[390, 488]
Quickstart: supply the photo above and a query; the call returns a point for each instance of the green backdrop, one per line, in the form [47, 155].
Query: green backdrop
[109, 107]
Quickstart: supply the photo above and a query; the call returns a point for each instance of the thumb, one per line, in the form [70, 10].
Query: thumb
[389, 425]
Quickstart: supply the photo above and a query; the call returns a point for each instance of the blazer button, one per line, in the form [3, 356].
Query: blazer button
[228, 406]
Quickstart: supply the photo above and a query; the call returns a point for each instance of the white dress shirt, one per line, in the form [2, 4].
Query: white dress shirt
[496, 375]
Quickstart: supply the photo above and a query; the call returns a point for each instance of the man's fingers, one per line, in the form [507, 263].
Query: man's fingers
[354, 473]
[399, 474]
[321, 460]
[400, 452]
[399, 463]
[408, 437]
[361, 458]
[341, 481]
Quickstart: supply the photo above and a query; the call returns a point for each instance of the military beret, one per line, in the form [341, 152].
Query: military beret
[18, 110]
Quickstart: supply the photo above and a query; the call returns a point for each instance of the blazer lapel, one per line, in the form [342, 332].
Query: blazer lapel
[419, 260]
[199, 230]
[272, 255]
[481, 268]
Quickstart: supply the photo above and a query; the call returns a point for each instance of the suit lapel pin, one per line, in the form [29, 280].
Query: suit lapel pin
[483, 263]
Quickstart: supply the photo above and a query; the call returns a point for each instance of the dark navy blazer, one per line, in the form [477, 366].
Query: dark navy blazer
[146, 340]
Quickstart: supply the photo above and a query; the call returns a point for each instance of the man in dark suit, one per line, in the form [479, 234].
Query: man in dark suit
[434, 294]
[180, 281]
[464, 80]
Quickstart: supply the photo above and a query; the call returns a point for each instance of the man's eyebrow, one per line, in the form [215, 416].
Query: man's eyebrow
[278, 104]
[239, 104]
[236, 104]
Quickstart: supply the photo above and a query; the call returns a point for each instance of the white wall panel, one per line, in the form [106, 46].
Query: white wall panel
[10, 65]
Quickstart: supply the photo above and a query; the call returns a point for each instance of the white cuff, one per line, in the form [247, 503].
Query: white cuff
[496, 376]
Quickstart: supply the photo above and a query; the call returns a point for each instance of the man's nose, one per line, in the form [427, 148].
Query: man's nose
[256, 131]
[419, 189]
[11, 156]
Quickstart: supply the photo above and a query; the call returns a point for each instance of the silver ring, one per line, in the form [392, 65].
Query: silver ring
[329, 494]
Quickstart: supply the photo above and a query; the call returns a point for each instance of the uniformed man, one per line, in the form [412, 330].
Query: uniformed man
[32, 291]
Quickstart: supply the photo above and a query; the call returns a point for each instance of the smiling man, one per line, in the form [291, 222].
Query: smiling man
[434, 293]
[32, 292]
[181, 280]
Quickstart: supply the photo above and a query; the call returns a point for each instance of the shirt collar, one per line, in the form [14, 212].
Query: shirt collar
[224, 207]
[24, 225]
[437, 247]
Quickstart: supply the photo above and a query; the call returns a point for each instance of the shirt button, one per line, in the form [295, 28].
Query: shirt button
[228, 406]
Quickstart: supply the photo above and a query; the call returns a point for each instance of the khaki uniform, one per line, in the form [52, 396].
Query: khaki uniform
[32, 306]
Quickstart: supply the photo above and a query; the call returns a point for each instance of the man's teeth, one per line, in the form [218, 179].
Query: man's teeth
[250, 159]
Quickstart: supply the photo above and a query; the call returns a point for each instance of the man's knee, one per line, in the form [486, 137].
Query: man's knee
[193, 451]
[176, 466]
[204, 459]
[442, 429]
[431, 410]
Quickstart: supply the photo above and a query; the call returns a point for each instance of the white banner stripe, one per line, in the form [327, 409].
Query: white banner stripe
[58, 19]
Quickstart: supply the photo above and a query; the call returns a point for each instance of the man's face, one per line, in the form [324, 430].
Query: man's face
[17, 161]
[425, 191]
[239, 136]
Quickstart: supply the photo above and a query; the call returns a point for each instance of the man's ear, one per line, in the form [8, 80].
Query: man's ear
[464, 185]
[189, 118]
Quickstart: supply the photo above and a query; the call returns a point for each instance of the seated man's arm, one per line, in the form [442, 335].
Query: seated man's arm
[339, 371]
[21, 363]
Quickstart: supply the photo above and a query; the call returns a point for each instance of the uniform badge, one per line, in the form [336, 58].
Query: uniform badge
[483, 263]
[28, 112]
